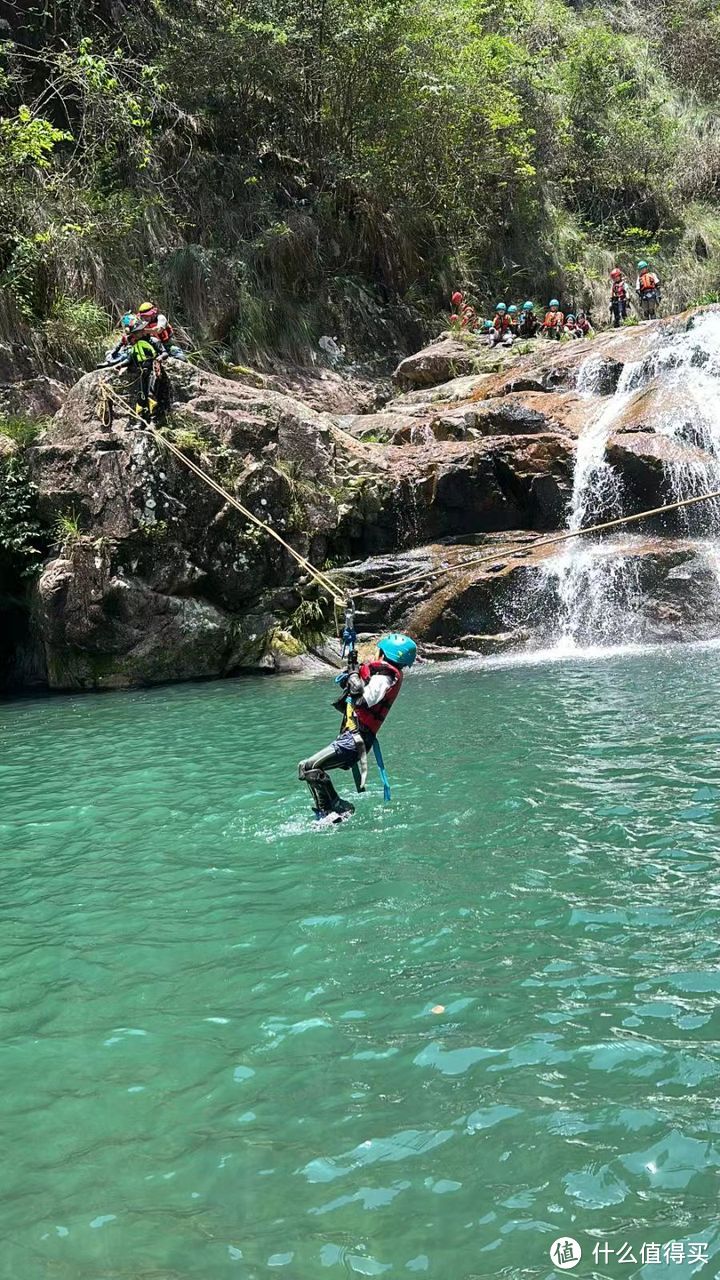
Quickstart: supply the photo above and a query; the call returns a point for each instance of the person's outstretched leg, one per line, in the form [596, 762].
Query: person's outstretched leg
[313, 771]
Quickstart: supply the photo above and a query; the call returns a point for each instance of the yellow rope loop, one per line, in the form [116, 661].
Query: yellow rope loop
[104, 408]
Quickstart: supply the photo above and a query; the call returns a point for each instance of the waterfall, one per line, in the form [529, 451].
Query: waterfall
[596, 586]
[594, 583]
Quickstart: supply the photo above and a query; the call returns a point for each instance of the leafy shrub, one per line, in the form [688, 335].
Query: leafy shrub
[67, 530]
[21, 537]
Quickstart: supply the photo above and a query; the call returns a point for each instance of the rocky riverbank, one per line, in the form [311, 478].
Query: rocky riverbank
[153, 577]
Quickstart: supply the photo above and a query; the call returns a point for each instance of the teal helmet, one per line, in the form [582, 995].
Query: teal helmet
[528, 306]
[128, 321]
[642, 265]
[501, 307]
[570, 316]
[512, 311]
[553, 302]
[398, 649]
[487, 324]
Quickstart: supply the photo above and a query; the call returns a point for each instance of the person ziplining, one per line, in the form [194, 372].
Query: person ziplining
[369, 692]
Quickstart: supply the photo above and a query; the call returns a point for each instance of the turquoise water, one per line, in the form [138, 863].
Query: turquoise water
[219, 1052]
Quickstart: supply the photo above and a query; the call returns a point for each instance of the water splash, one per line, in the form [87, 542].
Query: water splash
[597, 589]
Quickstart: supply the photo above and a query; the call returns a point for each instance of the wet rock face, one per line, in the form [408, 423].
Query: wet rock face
[166, 580]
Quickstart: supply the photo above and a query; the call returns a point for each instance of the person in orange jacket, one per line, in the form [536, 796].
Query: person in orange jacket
[554, 322]
[647, 288]
[502, 328]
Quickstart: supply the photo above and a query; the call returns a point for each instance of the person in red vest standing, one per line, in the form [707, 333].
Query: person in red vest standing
[369, 694]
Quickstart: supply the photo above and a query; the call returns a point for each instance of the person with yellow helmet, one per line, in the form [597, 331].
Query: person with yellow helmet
[158, 329]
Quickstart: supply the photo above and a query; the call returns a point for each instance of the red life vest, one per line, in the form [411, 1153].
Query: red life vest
[372, 718]
[501, 323]
[554, 320]
[619, 289]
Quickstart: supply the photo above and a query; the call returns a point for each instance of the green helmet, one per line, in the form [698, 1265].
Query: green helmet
[554, 302]
[642, 265]
[528, 306]
[501, 307]
[512, 311]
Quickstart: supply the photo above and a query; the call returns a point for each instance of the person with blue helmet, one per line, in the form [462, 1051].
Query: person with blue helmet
[368, 695]
[554, 322]
[528, 323]
[502, 327]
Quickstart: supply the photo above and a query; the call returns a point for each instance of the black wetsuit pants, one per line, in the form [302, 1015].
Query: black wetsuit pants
[343, 753]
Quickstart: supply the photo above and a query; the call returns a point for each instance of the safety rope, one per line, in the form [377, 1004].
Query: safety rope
[108, 394]
[522, 548]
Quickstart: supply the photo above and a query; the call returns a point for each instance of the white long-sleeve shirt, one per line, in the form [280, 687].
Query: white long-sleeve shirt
[376, 688]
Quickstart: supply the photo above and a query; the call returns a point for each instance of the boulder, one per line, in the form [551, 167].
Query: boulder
[440, 362]
[648, 462]
[38, 397]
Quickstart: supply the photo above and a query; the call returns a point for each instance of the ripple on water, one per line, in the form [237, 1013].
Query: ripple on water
[429, 1042]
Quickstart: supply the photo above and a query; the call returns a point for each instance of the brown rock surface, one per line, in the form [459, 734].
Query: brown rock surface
[166, 580]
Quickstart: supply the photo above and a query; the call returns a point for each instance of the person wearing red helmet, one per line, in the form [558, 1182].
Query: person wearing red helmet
[456, 313]
[464, 315]
[619, 297]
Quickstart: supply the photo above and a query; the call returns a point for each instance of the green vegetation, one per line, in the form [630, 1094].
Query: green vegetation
[21, 428]
[21, 540]
[188, 440]
[309, 624]
[67, 530]
[272, 170]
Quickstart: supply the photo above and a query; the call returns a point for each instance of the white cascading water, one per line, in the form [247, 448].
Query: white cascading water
[596, 581]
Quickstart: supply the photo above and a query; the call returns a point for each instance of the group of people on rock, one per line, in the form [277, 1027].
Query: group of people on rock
[146, 340]
[511, 322]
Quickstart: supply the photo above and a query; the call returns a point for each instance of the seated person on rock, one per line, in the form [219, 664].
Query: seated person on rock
[571, 328]
[513, 318]
[502, 330]
[369, 694]
[583, 328]
[464, 315]
[554, 322]
[158, 329]
[528, 323]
